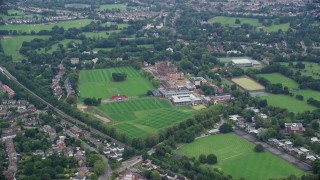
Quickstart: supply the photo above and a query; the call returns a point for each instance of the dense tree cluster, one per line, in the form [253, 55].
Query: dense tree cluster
[119, 77]
[92, 101]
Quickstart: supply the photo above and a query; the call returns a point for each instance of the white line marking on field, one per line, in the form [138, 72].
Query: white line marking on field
[232, 156]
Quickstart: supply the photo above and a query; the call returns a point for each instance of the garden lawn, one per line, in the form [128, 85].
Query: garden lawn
[38, 27]
[99, 83]
[288, 102]
[11, 45]
[237, 158]
[143, 116]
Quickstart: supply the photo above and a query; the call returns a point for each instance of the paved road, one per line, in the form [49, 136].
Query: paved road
[61, 113]
[129, 163]
[291, 159]
[107, 171]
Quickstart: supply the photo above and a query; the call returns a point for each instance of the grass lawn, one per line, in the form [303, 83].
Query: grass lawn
[11, 45]
[229, 59]
[231, 20]
[237, 158]
[311, 69]
[275, 28]
[55, 46]
[37, 27]
[102, 34]
[112, 6]
[288, 102]
[142, 116]
[225, 20]
[247, 83]
[147, 46]
[275, 78]
[98, 83]
[13, 12]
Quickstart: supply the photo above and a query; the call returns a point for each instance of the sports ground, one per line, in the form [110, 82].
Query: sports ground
[247, 83]
[143, 116]
[11, 45]
[286, 101]
[38, 27]
[98, 83]
[237, 157]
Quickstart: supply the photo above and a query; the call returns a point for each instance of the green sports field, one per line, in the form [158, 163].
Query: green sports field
[11, 45]
[237, 158]
[98, 83]
[143, 116]
[37, 27]
[288, 102]
[247, 83]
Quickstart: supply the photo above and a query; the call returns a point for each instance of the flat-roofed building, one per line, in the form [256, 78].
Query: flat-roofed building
[241, 62]
[186, 100]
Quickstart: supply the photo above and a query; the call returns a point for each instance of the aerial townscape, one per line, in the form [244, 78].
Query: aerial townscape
[160, 90]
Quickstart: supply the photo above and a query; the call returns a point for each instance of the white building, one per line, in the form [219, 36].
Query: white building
[186, 100]
[242, 62]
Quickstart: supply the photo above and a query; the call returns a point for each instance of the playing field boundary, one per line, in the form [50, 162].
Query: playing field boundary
[243, 88]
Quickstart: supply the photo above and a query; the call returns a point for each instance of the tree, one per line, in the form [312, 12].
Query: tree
[155, 175]
[93, 176]
[258, 148]
[226, 128]
[119, 77]
[202, 158]
[71, 99]
[98, 167]
[237, 21]
[212, 159]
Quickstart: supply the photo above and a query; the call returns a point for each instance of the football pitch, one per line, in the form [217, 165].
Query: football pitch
[237, 157]
[247, 84]
[98, 83]
[143, 116]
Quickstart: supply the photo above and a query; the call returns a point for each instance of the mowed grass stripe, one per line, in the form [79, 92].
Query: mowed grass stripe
[130, 130]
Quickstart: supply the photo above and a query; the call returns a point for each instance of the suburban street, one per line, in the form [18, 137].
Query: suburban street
[107, 172]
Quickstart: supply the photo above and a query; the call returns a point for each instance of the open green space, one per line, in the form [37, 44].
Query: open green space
[311, 69]
[11, 45]
[77, 5]
[229, 59]
[275, 78]
[112, 7]
[38, 27]
[247, 83]
[288, 102]
[99, 83]
[225, 20]
[275, 28]
[55, 47]
[13, 12]
[143, 116]
[237, 157]
[101, 34]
